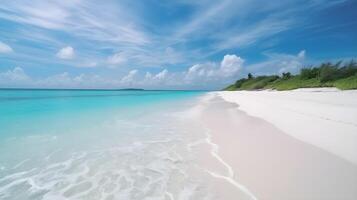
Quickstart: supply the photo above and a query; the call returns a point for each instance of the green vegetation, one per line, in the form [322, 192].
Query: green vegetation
[347, 83]
[326, 75]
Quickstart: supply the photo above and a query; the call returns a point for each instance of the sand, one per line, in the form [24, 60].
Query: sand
[325, 118]
[262, 142]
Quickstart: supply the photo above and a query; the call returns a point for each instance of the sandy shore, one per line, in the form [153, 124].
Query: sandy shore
[322, 117]
[284, 145]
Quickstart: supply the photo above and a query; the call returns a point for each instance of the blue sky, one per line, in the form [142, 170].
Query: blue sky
[162, 44]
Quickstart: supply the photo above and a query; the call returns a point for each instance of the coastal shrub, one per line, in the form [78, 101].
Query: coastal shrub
[296, 82]
[239, 82]
[230, 88]
[350, 69]
[328, 72]
[286, 75]
[342, 76]
[347, 83]
[264, 81]
[307, 73]
[258, 82]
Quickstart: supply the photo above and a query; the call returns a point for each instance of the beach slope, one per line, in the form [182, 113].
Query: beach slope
[287, 145]
[324, 117]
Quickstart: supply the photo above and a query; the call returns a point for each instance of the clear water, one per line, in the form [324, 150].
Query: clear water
[88, 144]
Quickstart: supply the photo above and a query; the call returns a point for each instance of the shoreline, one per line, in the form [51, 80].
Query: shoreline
[268, 163]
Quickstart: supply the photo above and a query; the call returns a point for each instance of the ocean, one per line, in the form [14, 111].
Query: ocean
[99, 144]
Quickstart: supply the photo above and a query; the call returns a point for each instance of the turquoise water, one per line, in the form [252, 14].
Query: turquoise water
[97, 144]
[24, 111]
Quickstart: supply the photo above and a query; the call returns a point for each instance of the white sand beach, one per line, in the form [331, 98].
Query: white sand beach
[263, 145]
[284, 145]
[324, 117]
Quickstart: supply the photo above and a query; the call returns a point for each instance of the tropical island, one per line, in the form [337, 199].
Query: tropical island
[340, 75]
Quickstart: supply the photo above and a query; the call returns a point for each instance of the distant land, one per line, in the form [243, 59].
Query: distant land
[340, 75]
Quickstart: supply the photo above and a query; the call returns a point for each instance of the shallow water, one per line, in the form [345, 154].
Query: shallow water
[75, 144]
[65, 144]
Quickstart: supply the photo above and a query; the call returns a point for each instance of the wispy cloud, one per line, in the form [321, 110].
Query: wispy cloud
[277, 63]
[83, 18]
[4, 48]
[163, 42]
[250, 35]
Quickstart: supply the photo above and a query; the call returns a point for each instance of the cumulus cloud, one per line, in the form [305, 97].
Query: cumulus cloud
[159, 79]
[228, 68]
[129, 78]
[66, 53]
[4, 48]
[199, 76]
[58, 80]
[66, 80]
[199, 72]
[116, 59]
[17, 74]
[14, 77]
[148, 76]
[161, 75]
[230, 65]
[17, 77]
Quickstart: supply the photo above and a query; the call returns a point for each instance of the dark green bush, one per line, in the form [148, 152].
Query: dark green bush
[328, 72]
[308, 73]
[286, 75]
[259, 82]
[348, 70]
[239, 82]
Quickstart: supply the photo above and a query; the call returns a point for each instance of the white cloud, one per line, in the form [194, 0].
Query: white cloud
[66, 53]
[161, 78]
[197, 70]
[199, 76]
[81, 18]
[211, 27]
[161, 75]
[14, 77]
[210, 72]
[117, 59]
[17, 74]
[66, 80]
[256, 32]
[4, 48]
[148, 76]
[302, 54]
[293, 64]
[59, 80]
[129, 78]
[279, 63]
[230, 65]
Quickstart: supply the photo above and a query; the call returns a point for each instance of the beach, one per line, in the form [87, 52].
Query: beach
[177, 145]
[287, 145]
